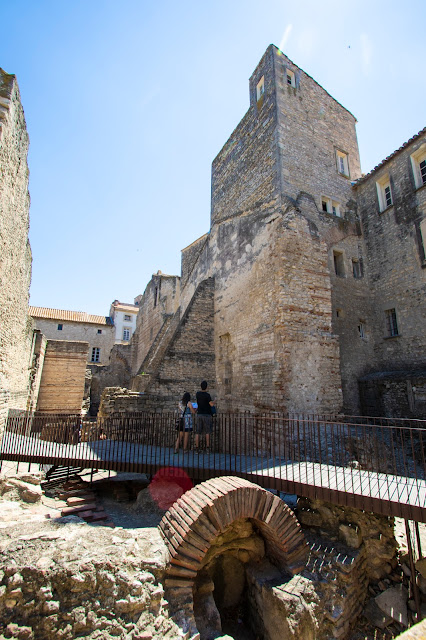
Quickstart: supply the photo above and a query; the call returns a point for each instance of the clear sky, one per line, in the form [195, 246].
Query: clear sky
[127, 103]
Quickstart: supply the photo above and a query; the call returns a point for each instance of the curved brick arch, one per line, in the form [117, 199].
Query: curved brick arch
[204, 512]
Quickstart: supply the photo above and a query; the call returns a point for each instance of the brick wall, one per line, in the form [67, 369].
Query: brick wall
[15, 256]
[63, 377]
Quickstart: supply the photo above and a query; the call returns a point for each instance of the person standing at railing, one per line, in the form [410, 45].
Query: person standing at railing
[185, 422]
[204, 422]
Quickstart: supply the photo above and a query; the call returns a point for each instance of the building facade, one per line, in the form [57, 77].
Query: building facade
[310, 284]
[124, 316]
[77, 326]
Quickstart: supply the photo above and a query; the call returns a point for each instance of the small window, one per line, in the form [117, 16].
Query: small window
[356, 268]
[339, 266]
[127, 318]
[99, 330]
[342, 163]
[60, 327]
[391, 323]
[384, 193]
[330, 206]
[290, 78]
[339, 313]
[418, 163]
[96, 354]
[361, 329]
[260, 90]
[126, 334]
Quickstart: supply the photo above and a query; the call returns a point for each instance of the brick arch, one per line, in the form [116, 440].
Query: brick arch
[204, 512]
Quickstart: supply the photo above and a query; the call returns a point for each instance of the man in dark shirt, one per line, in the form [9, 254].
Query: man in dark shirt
[204, 416]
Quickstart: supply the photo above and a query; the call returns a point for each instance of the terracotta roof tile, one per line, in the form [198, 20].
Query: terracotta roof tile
[70, 316]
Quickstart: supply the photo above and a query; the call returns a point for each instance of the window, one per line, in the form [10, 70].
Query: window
[418, 163]
[96, 354]
[384, 193]
[339, 266]
[260, 90]
[127, 318]
[330, 206]
[356, 268]
[126, 334]
[99, 330]
[340, 313]
[290, 78]
[60, 327]
[391, 323]
[361, 329]
[342, 163]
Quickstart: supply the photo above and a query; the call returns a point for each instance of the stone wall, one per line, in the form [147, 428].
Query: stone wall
[157, 306]
[189, 357]
[15, 257]
[400, 394]
[63, 377]
[395, 260]
[117, 373]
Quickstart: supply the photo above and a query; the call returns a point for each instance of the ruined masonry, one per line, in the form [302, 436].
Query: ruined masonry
[307, 293]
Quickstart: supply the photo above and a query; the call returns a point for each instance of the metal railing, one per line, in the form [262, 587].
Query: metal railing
[377, 464]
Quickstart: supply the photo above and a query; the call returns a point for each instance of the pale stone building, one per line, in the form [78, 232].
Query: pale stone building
[309, 286]
[77, 326]
[124, 316]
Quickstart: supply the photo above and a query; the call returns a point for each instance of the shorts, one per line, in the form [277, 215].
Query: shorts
[204, 423]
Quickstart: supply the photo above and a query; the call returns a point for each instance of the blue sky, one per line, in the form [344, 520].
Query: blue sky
[128, 103]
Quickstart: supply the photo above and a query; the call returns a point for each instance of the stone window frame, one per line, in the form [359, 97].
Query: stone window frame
[339, 263]
[289, 77]
[126, 331]
[362, 329]
[328, 205]
[342, 163]
[418, 165]
[422, 230]
[96, 354]
[357, 270]
[260, 91]
[391, 323]
[384, 193]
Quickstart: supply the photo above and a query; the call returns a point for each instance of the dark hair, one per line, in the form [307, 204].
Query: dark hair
[204, 385]
[186, 397]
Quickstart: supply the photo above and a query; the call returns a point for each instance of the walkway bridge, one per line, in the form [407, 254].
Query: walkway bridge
[374, 464]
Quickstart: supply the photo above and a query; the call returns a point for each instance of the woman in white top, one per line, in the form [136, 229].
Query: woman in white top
[185, 428]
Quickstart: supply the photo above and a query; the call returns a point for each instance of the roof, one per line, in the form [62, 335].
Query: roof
[70, 316]
[125, 306]
[392, 155]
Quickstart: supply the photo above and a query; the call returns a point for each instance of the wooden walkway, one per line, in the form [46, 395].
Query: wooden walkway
[369, 490]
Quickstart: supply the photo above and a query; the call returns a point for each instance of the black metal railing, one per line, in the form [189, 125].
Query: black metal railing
[360, 461]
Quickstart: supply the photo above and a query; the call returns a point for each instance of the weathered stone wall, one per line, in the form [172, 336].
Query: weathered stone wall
[189, 358]
[117, 373]
[80, 332]
[158, 305]
[395, 259]
[400, 394]
[15, 256]
[63, 377]
[245, 172]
